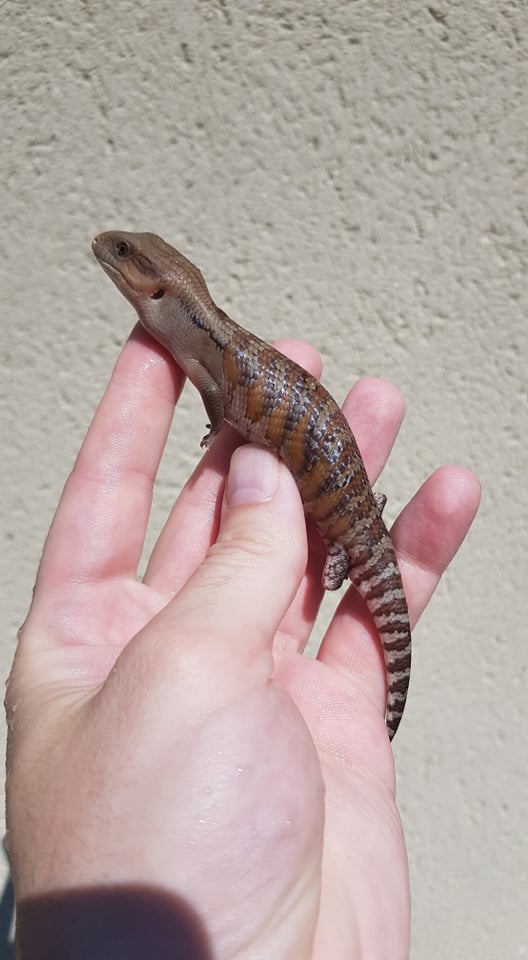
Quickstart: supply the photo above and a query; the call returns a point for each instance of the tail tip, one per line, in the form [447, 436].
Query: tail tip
[392, 722]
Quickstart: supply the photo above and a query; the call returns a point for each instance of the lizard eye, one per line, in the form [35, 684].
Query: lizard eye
[122, 248]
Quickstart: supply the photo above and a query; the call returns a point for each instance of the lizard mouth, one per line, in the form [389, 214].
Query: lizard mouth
[101, 253]
[105, 258]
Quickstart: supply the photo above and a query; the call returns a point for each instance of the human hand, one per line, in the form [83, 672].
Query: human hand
[181, 781]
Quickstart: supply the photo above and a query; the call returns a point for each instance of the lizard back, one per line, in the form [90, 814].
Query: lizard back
[271, 400]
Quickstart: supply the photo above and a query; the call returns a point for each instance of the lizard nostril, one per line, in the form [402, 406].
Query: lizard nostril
[157, 295]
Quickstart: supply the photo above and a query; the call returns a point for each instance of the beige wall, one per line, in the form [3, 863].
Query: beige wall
[354, 173]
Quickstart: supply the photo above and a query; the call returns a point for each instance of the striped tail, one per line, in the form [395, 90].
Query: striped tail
[377, 578]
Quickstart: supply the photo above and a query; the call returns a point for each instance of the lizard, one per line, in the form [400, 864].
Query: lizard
[273, 401]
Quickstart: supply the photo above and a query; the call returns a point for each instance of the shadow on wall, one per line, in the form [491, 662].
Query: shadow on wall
[7, 913]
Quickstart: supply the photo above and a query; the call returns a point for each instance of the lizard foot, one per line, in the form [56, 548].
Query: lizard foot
[336, 567]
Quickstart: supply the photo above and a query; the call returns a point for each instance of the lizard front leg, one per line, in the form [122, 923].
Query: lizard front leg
[212, 399]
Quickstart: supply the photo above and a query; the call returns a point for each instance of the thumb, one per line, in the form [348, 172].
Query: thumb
[214, 640]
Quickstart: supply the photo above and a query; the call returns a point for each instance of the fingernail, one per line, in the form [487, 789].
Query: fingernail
[253, 476]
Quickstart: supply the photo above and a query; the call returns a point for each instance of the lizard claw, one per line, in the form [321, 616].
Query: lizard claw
[206, 440]
[380, 500]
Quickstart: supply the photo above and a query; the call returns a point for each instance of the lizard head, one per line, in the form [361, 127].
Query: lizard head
[165, 288]
[145, 268]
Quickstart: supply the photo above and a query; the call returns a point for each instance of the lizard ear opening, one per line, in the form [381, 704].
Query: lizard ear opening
[157, 295]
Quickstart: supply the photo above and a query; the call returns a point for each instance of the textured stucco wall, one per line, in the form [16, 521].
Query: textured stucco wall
[354, 173]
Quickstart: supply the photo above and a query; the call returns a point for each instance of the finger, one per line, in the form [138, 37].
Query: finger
[426, 537]
[431, 529]
[100, 524]
[216, 635]
[374, 409]
[193, 523]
